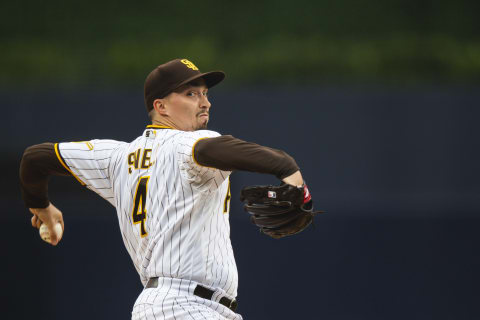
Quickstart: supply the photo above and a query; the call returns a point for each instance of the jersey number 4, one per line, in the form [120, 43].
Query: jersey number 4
[139, 213]
[227, 198]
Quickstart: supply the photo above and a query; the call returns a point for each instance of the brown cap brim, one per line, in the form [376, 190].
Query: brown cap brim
[211, 79]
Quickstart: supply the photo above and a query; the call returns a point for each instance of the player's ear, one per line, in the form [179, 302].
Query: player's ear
[160, 106]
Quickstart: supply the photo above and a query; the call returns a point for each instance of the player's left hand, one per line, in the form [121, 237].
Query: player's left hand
[279, 211]
[49, 216]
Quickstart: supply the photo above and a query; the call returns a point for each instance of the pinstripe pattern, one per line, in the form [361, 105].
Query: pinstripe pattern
[188, 234]
[173, 300]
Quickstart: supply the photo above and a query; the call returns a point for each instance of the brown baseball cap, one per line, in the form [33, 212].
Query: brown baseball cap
[171, 75]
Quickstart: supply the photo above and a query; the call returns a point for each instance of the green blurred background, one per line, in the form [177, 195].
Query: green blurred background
[112, 42]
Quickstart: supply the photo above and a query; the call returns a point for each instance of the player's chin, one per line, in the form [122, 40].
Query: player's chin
[202, 124]
[202, 127]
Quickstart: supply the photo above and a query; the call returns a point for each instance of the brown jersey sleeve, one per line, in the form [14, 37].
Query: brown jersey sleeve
[229, 154]
[38, 163]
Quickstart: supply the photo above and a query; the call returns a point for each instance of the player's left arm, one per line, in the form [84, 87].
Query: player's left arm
[278, 211]
[39, 162]
[231, 154]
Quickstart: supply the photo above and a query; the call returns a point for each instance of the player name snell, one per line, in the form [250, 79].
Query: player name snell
[139, 159]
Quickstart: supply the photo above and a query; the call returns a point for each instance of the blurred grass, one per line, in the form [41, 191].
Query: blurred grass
[85, 42]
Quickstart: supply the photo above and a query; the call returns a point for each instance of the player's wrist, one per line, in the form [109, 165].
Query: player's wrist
[294, 179]
[40, 209]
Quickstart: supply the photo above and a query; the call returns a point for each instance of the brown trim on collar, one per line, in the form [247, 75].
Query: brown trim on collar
[154, 126]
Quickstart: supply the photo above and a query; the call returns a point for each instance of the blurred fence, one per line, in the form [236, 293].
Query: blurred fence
[364, 150]
[395, 168]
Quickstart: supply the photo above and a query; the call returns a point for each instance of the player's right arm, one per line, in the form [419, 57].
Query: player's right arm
[87, 161]
[38, 163]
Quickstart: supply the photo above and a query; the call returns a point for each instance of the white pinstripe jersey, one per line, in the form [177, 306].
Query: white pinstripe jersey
[173, 213]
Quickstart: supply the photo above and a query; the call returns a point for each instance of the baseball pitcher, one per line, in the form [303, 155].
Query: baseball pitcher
[171, 191]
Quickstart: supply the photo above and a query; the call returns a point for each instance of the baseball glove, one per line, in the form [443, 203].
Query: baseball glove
[279, 211]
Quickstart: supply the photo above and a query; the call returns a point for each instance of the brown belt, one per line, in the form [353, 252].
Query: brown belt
[200, 291]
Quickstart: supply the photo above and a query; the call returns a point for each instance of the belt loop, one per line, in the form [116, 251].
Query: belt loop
[152, 283]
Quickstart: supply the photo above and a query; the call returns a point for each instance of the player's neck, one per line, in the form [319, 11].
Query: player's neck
[165, 123]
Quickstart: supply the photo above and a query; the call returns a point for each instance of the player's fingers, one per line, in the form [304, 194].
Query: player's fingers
[63, 228]
[36, 222]
[59, 225]
[53, 236]
[56, 232]
[59, 237]
[59, 231]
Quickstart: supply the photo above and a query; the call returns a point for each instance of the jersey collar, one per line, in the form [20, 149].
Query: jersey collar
[154, 126]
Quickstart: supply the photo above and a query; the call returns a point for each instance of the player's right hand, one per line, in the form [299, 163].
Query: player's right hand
[49, 216]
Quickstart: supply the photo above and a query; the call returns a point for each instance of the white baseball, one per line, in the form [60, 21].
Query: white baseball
[45, 234]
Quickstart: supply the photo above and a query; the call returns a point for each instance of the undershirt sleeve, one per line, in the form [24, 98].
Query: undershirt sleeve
[229, 154]
[38, 163]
